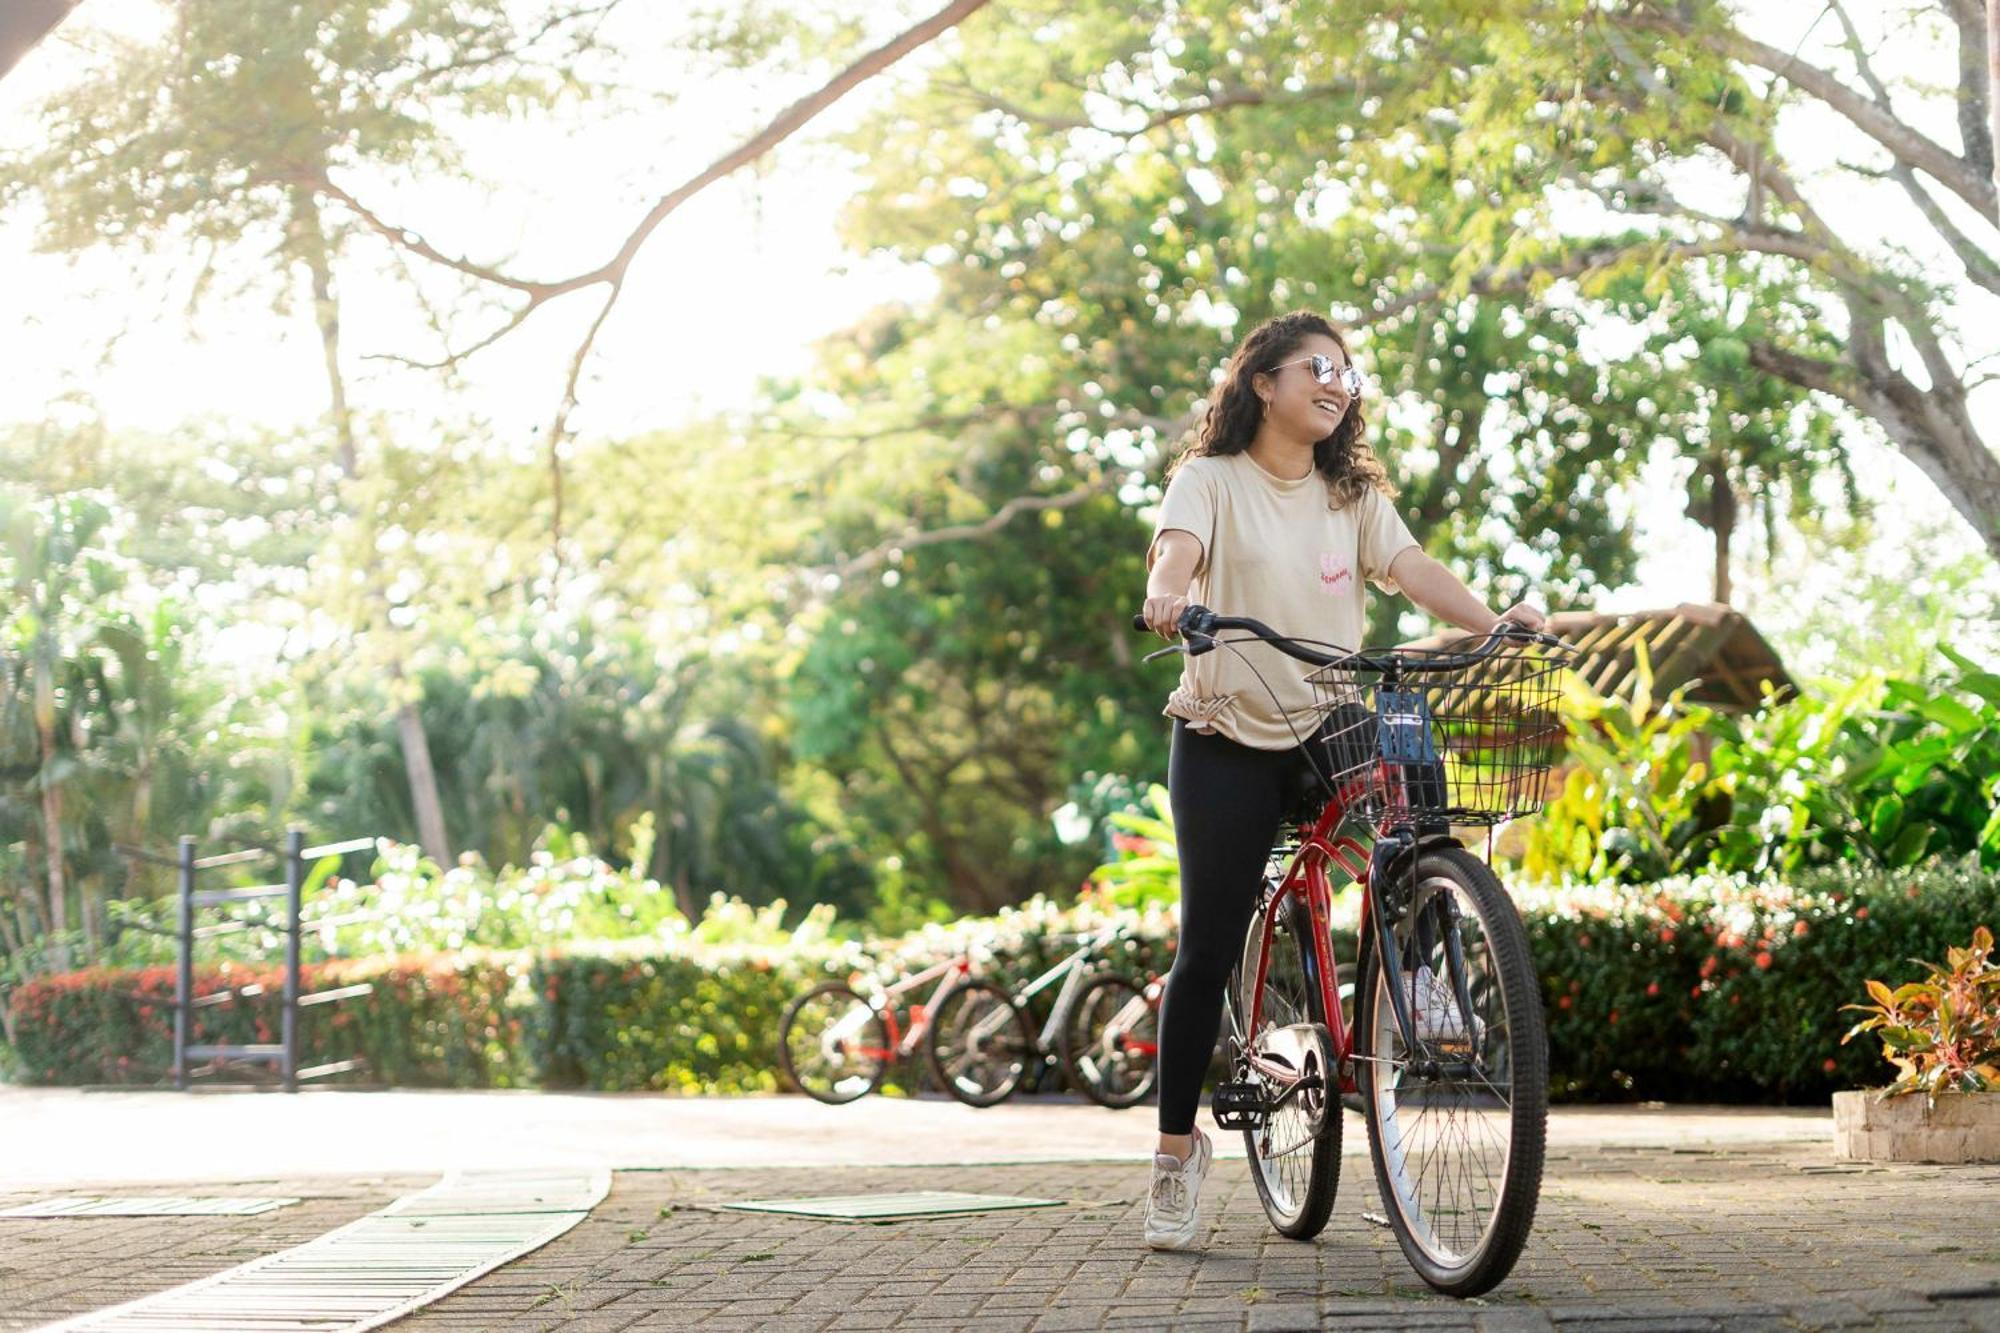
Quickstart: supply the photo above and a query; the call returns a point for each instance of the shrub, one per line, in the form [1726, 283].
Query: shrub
[1942, 1033]
[1725, 988]
[1706, 987]
[1883, 773]
[441, 1021]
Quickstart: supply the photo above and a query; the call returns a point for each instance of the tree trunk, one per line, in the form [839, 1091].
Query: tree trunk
[1722, 521]
[423, 784]
[684, 895]
[326, 313]
[310, 232]
[52, 841]
[1993, 86]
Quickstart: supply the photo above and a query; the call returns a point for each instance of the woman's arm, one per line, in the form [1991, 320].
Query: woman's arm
[1175, 556]
[1437, 590]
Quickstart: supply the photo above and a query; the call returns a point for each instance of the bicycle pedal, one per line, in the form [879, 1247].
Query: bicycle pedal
[1238, 1106]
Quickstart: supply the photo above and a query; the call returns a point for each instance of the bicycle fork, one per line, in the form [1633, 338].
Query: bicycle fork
[1436, 923]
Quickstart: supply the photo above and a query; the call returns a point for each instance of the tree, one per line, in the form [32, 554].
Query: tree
[1425, 170]
[226, 130]
[56, 579]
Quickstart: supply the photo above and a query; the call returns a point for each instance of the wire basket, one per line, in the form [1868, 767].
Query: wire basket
[1472, 745]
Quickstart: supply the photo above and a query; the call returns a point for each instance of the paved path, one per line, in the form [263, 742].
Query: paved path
[1651, 1219]
[1627, 1240]
[219, 1136]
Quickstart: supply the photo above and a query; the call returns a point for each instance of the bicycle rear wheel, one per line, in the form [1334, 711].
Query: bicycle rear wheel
[1295, 1154]
[1110, 1045]
[1457, 1128]
[979, 1043]
[832, 1044]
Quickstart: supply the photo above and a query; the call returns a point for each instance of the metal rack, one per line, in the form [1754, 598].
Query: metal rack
[283, 1053]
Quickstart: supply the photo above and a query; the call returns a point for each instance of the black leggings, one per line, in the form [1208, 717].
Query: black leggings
[1229, 801]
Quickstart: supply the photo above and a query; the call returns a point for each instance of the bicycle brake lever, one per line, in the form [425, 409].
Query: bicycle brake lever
[1167, 651]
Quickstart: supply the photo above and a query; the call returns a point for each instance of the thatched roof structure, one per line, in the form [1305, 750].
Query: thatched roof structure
[1712, 645]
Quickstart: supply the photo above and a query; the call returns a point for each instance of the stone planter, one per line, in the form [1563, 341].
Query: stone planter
[1964, 1127]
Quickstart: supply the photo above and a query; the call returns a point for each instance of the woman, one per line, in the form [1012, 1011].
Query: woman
[1279, 511]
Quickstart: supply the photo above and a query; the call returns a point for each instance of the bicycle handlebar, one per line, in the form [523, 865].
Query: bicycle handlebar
[1198, 625]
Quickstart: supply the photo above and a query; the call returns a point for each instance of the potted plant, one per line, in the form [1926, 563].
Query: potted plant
[1943, 1036]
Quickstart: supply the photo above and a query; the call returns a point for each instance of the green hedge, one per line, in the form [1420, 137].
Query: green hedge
[1714, 988]
[1704, 988]
[666, 1023]
[440, 1021]
[624, 1018]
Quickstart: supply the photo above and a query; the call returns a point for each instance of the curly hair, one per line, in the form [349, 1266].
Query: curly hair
[1235, 411]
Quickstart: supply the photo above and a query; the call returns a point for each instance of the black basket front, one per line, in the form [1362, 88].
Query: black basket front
[1470, 745]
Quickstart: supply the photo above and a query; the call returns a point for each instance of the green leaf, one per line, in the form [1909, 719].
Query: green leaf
[1909, 847]
[1950, 713]
[1885, 818]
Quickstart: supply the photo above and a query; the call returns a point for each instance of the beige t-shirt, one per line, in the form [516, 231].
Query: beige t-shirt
[1276, 551]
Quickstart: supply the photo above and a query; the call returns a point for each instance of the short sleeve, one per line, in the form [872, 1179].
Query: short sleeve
[1190, 505]
[1384, 536]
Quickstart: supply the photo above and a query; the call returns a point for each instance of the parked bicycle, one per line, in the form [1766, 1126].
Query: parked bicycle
[836, 1044]
[1112, 1040]
[984, 1043]
[1446, 1048]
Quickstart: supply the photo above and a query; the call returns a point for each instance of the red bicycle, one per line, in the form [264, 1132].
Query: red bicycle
[836, 1044]
[1447, 1052]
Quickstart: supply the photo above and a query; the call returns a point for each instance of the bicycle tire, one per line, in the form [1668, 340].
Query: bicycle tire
[1297, 1202]
[1507, 1051]
[959, 1042]
[874, 1034]
[1091, 1043]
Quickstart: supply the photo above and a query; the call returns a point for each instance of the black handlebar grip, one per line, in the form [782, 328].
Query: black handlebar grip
[1139, 623]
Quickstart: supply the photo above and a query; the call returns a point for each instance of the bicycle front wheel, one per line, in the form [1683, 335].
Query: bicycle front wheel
[1110, 1046]
[1457, 1124]
[833, 1045]
[1295, 1153]
[979, 1043]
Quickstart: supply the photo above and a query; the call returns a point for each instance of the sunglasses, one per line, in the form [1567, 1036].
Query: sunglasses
[1325, 372]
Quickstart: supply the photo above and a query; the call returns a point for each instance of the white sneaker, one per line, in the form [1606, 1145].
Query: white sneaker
[1175, 1199]
[1435, 1009]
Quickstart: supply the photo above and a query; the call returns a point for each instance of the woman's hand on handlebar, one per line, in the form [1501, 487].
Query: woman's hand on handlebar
[1525, 614]
[1162, 614]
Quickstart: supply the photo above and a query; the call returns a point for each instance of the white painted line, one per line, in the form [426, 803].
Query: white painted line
[378, 1268]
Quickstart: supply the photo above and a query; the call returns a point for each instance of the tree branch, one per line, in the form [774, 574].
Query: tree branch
[1156, 116]
[613, 270]
[992, 523]
[1980, 267]
[1906, 144]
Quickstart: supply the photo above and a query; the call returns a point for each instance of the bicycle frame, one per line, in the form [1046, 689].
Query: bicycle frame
[1323, 844]
[947, 973]
[1073, 971]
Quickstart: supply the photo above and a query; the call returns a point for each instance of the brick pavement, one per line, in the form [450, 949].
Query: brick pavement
[54, 1267]
[1770, 1236]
